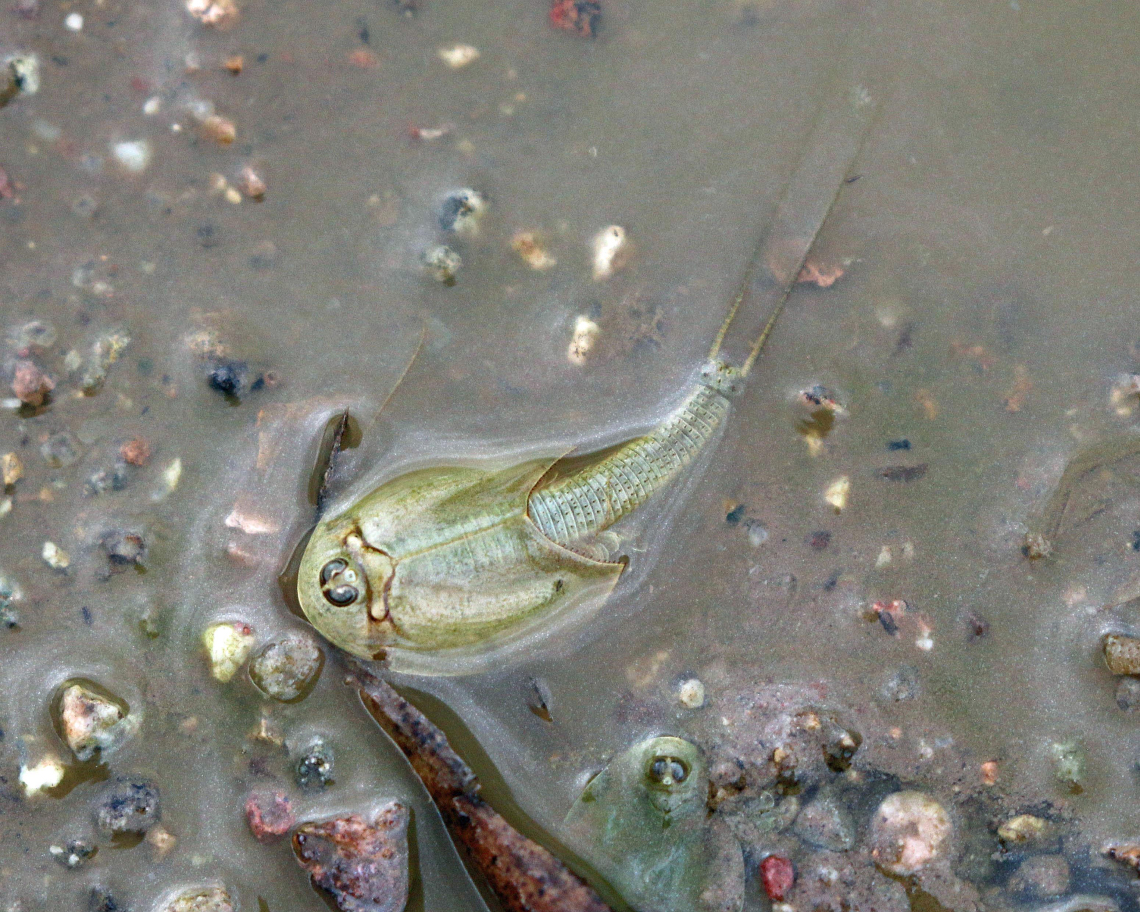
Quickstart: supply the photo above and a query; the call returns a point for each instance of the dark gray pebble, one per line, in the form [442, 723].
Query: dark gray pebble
[127, 804]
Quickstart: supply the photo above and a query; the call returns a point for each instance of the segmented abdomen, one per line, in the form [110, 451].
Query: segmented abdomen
[575, 507]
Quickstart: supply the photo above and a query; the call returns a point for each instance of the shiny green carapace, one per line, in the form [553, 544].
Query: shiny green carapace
[455, 561]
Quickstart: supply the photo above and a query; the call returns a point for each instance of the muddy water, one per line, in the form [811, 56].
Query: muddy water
[984, 314]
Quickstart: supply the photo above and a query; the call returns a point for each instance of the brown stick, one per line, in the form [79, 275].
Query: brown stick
[522, 874]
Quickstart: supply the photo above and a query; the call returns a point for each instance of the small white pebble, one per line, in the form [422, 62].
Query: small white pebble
[55, 557]
[228, 646]
[884, 558]
[46, 774]
[26, 69]
[133, 155]
[152, 105]
[5, 506]
[757, 534]
[73, 22]
[691, 694]
[611, 251]
[458, 55]
[232, 195]
[837, 491]
[171, 475]
[585, 335]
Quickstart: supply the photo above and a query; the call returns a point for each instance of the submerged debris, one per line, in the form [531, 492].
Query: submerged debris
[524, 876]
[362, 864]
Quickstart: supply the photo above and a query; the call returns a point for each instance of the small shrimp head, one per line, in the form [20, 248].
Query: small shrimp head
[672, 773]
[341, 585]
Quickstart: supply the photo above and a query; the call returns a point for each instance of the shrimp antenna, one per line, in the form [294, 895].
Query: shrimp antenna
[837, 137]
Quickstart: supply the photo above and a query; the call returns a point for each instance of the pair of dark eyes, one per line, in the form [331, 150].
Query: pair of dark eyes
[341, 595]
[667, 772]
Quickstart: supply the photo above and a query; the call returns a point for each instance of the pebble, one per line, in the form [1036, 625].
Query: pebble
[135, 452]
[582, 17]
[123, 549]
[315, 767]
[1024, 829]
[105, 351]
[228, 645]
[586, 333]
[837, 492]
[691, 694]
[533, 252]
[901, 685]
[217, 13]
[777, 876]
[60, 450]
[127, 804]
[55, 557]
[270, 815]
[288, 668]
[92, 722]
[20, 75]
[11, 468]
[462, 211]
[74, 853]
[100, 899]
[1122, 654]
[909, 831]
[35, 336]
[824, 824]
[458, 55]
[364, 865]
[1069, 765]
[611, 251]
[133, 155]
[199, 899]
[229, 377]
[73, 22]
[30, 384]
[1128, 694]
[442, 263]
[45, 775]
[1040, 877]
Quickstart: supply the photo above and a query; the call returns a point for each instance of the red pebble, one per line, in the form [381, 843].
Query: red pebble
[270, 815]
[777, 875]
[578, 16]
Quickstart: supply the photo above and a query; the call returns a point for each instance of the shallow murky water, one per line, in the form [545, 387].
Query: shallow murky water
[982, 319]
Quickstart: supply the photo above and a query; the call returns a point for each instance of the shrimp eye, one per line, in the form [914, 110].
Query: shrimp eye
[667, 772]
[341, 595]
[331, 569]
